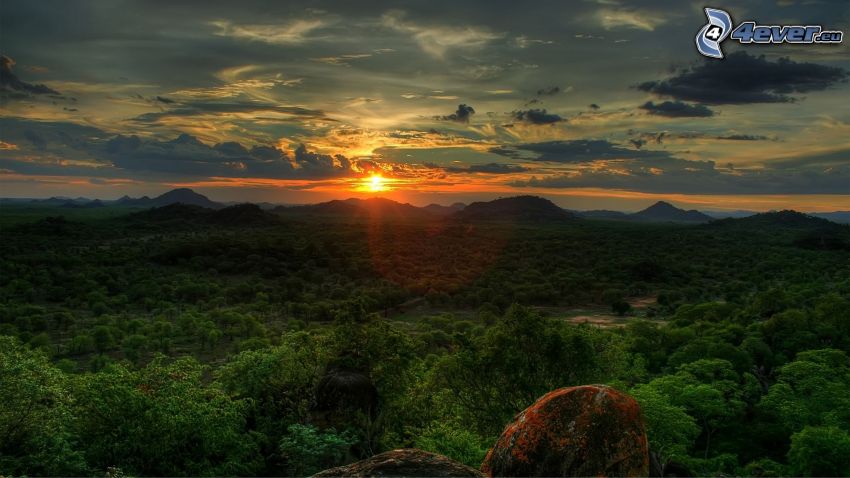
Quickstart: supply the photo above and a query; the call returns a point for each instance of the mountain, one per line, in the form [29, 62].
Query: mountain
[176, 214]
[666, 212]
[842, 217]
[518, 208]
[184, 196]
[790, 227]
[440, 210]
[82, 204]
[786, 220]
[246, 214]
[603, 214]
[371, 207]
[128, 201]
[175, 196]
[180, 215]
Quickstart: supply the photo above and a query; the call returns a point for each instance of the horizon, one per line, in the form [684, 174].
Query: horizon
[418, 205]
[599, 105]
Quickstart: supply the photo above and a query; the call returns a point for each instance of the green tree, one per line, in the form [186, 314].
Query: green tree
[812, 390]
[710, 391]
[35, 436]
[670, 429]
[820, 451]
[134, 346]
[308, 450]
[277, 384]
[162, 420]
[518, 360]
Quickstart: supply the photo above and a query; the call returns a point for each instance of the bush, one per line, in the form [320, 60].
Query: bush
[455, 442]
[308, 450]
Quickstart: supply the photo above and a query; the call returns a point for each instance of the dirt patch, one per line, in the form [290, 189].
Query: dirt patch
[600, 320]
[642, 302]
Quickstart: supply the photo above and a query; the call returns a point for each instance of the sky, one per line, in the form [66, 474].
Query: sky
[600, 104]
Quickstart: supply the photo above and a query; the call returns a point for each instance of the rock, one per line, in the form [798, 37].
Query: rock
[341, 396]
[591, 430]
[404, 462]
[340, 389]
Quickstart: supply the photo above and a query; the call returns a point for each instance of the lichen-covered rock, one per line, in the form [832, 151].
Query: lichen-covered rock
[404, 462]
[591, 430]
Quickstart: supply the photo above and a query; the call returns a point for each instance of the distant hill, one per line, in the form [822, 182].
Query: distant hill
[243, 215]
[354, 208]
[603, 214]
[842, 217]
[798, 229]
[184, 196]
[77, 204]
[787, 220]
[176, 213]
[441, 210]
[518, 208]
[175, 196]
[666, 212]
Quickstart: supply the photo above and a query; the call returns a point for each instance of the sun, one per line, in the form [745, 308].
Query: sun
[376, 183]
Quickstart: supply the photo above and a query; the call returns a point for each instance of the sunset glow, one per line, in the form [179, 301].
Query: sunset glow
[320, 106]
[376, 183]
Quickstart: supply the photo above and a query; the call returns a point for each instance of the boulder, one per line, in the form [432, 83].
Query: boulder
[403, 462]
[344, 397]
[346, 390]
[591, 430]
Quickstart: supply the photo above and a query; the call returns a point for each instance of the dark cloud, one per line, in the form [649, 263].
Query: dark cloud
[165, 100]
[677, 109]
[550, 91]
[9, 82]
[741, 79]
[321, 163]
[37, 141]
[678, 176]
[462, 115]
[536, 116]
[744, 137]
[187, 156]
[184, 156]
[488, 168]
[197, 108]
[574, 151]
[658, 137]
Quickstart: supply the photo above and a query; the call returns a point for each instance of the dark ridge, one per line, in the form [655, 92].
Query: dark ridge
[786, 219]
[518, 208]
[177, 213]
[359, 208]
[603, 214]
[184, 196]
[666, 212]
[243, 215]
[440, 210]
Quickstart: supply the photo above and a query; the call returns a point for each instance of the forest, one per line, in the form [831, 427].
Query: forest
[185, 341]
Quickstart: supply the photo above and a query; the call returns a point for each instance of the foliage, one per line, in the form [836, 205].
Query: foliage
[454, 441]
[35, 436]
[161, 420]
[308, 450]
[740, 363]
[820, 451]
